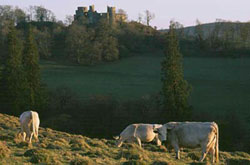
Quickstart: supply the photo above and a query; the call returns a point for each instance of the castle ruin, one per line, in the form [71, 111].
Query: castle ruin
[94, 17]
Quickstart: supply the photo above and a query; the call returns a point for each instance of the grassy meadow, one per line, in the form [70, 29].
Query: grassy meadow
[219, 85]
[55, 147]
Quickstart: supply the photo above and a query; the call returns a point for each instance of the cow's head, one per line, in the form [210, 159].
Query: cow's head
[162, 131]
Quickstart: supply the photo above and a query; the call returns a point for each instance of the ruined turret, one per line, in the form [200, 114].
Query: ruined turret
[92, 8]
[81, 11]
[111, 14]
[93, 16]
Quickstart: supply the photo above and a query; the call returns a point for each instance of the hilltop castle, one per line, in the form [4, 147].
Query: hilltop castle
[93, 16]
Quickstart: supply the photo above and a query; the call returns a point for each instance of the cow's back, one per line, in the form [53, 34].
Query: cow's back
[191, 134]
[25, 117]
[128, 131]
[142, 131]
[145, 132]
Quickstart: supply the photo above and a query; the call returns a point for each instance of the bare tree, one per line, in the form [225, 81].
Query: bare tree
[43, 14]
[149, 16]
[140, 17]
[68, 20]
[123, 16]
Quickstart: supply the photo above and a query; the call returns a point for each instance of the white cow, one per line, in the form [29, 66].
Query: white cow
[191, 135]
[29, 121]
[139, 133]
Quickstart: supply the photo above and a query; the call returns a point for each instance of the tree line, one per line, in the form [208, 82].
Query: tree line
[219, 39]
[20, 82]
[77, 40]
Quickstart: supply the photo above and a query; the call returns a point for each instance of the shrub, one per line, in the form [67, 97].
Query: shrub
[40, 156]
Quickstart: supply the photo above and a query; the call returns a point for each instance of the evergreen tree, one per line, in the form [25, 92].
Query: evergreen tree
[32, 70]
[12, 81]
[175, 89]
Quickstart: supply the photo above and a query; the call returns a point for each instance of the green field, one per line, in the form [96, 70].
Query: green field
[219, 84]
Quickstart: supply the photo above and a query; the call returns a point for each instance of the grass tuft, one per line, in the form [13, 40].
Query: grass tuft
[4, 150]
[82, 161]
[135, 162]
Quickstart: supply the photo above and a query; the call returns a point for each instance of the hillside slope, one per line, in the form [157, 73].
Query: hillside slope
[209, 27]
[62, 148]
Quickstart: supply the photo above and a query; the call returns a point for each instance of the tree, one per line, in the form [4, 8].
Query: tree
[44, 42]
[179, 28]
[109, 43]
[110, 49]
[12, 81]
[122, 16]
[32, 70]
[42, 14]
[8, 13]
[20, 15]
[77, 41]
[244, 33]
[149, 17]
[199, 34]
[175, 89]
[214, 40]
[68, 20]
[140, 18]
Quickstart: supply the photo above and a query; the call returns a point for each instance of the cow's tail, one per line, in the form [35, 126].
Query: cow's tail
[34, 124]
[217, 144]
[135, 130]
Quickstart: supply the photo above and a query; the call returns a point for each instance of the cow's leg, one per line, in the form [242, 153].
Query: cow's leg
[158, 142]
[138, 141]
[23, 135]
[207, 146]
[177, 151]
[27, 130]
[22, 132]
[31, 137]
[204, 149]
[212, 151]
[37, 139]
[204, 153]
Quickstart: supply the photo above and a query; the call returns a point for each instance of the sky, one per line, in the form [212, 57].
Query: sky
[184, 11]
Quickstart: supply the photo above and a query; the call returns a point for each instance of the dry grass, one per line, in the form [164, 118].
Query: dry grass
[62, 148]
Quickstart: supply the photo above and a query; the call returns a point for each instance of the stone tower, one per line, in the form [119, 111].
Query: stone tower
[111, 14]
[94, 17]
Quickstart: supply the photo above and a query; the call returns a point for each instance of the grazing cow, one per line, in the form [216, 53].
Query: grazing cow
[29, 121]
[138, 133]
[191, 135]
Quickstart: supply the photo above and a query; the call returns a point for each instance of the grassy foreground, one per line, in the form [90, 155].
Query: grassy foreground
[62, 148]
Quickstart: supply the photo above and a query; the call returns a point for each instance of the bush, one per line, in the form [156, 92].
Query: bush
[40, 156]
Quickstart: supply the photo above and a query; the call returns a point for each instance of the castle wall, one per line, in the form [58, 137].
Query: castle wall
[93, 16]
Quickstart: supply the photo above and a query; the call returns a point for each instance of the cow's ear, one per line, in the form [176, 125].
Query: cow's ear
[170, 125]
[116, 137]
[155, 130]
